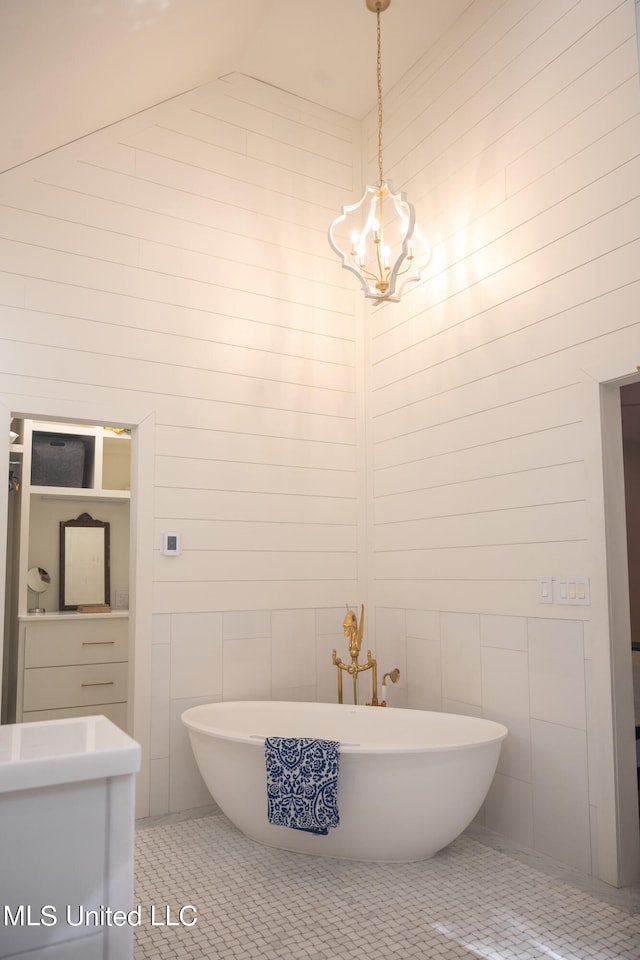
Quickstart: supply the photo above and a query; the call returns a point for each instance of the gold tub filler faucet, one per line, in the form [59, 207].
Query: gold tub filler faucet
[354, 632]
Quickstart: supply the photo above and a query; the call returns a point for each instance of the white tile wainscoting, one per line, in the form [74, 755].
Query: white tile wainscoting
[530, 674]
[236, 655]
[527, 673]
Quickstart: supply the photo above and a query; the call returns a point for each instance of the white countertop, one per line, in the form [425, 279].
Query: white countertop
[71, 615]
[48, 752]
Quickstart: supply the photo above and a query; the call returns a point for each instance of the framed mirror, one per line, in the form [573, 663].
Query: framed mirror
[84, 562]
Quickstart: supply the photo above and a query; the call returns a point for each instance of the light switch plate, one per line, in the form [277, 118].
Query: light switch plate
[574, 591]
[545, 590]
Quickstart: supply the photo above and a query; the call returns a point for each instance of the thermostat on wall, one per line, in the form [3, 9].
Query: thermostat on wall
[171, 545]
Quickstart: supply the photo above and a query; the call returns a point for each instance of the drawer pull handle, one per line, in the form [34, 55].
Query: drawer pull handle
[100, 683]
[91, 643]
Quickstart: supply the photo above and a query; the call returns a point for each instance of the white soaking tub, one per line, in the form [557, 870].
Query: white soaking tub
[410, 781]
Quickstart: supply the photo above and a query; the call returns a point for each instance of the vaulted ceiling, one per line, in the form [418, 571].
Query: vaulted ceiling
[69, 67]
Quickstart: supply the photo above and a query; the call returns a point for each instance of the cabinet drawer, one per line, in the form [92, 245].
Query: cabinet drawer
[75, 642]
[46, 688]
[116, 712]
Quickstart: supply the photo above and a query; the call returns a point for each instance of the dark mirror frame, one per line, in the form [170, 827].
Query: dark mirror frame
[84, 520]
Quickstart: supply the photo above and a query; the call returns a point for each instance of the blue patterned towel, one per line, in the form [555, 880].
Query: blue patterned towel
[302, 783]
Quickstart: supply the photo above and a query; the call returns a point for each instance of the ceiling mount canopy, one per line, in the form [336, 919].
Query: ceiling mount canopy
[384, 243]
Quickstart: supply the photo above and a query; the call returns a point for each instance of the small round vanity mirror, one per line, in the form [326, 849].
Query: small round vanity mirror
[38, 581]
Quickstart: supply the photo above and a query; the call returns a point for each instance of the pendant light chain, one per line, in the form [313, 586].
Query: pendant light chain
[379, 78]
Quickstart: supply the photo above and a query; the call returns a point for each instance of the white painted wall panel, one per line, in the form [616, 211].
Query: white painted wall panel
[551, 269]
[499, 307]
[520, 525]
[264, 534]
[555, 48]
[275, 307]
[522, 338]
[188, 473]
[263, 330]
[573, 130]
[555, 445]
[209, 185]
[61, 234]
[172, 324]
[504, 562]
[480, 595]
[28, 260]
[245, 362]
[605, 127]
[318, 166]
[220, 271]
[557, 484]
[156, 208]
[478, 48]
[87, 362]
[255, 420]
[13, 289]
[253, 506]
[213, 118]
[518, 136]
[283, 178]
[218, 445]
[181, 257]
[552, 408]
[220, 566]
[242, 90]
[196, 596]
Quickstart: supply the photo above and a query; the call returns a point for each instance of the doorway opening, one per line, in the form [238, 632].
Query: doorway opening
[611, 736]
[66, 624]
[139, 417]
[630, 418]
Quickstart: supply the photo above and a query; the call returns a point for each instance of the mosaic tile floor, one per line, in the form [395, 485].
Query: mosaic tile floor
[471, 900]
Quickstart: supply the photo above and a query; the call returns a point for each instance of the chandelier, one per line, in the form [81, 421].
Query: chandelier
[385, 244]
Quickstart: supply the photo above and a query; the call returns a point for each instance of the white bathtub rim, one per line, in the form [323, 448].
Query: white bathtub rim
[498, 731]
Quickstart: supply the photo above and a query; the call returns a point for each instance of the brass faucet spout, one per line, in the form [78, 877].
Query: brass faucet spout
[354, 632]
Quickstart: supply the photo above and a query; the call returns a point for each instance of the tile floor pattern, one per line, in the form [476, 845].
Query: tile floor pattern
[257, 903]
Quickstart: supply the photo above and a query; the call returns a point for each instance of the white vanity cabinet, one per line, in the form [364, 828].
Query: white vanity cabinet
[73, 665]
[67, 840]
[64, 663]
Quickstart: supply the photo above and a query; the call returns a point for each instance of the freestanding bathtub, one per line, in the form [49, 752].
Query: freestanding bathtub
[410, 781]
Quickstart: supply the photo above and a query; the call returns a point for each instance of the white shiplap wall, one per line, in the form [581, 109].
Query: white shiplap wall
[182, 257]
[518, 135]
[177, 262]
[475, 382]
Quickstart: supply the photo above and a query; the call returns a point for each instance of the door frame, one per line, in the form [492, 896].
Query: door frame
[611, 727]
[141, 420]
